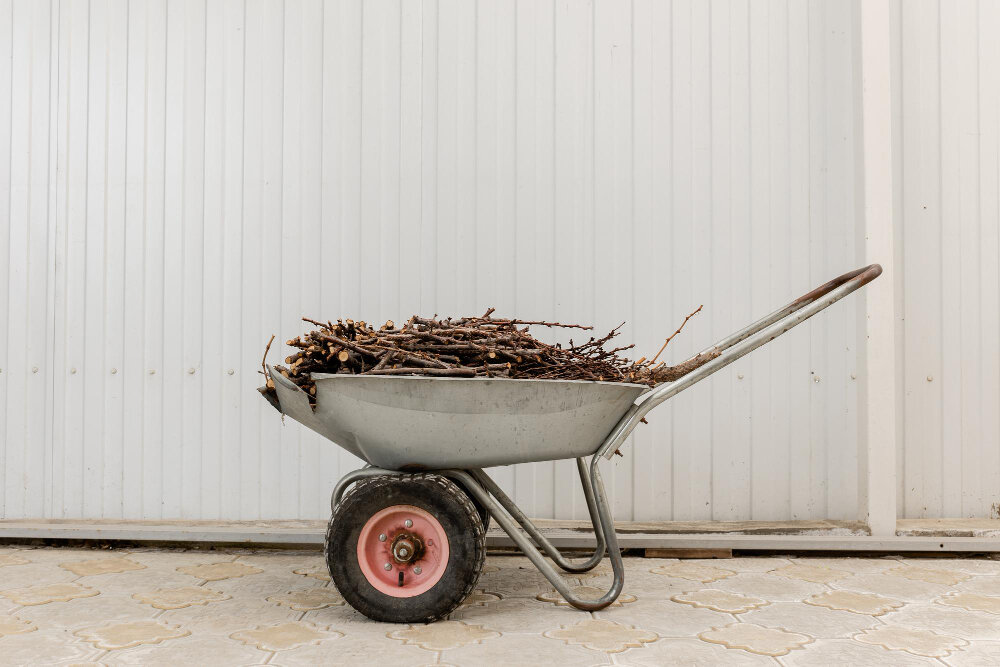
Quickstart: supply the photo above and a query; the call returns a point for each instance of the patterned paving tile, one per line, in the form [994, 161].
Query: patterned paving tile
[285, 636]
[13, 625]
[309, 599]
[809, 572]
[971, 601]
[918, 642]
[955, 621]
[123, 635]
[852, 565]
[443, 635]
[179, 598]
[602, 635]
[979, 566]
[315, 571]
[12, 559]
[693, 571]
[810, 620]
[977, 654]
[756, 639]
[480, 598]
[190, 650]
[585, 593]
[983, 585]
[155, 607]
[930, 575]
[524, 649]
[238, 613]
[353, 649]
[770, 587]
[45, 594]
[89, 611]
[516, 614]
[665, 617]
[691, 651]
[219, 571]
[847, 652]
[892, 586]
[86, 568]
[716, 600]
[859, 603]
[52, 647]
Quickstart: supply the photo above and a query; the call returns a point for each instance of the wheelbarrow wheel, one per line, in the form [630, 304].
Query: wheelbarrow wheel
[405, 549]
[484, 513]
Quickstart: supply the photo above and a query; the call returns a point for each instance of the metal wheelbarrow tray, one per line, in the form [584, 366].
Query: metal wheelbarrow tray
[406, 540]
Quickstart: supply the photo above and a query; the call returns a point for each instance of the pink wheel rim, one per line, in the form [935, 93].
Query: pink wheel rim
[402, 539]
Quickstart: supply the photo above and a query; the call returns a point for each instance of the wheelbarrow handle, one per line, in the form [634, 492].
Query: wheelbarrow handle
[741, 343]
[860, 277]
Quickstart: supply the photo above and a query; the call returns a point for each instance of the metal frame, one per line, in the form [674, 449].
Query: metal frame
[510, 517]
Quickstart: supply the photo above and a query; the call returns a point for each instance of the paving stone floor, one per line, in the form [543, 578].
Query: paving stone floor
[241, 607]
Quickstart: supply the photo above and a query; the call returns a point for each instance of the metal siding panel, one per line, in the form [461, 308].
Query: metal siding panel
[765, 483]
[154, 184]
[734, 441]
[238, 356]
[989, 261]
[721, 280]
[116, 20]
[682, 260]
[948, 140]
[294, 260]
[132, 362]
[213, 341]
[841, 250]
[641, 249]
[222, 169]
[807, 479]
[954, 93]
[95, 273]
[173, 281]
[277, 439]
[310, 118]
[7, 80]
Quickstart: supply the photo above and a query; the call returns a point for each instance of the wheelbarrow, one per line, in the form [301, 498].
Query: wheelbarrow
[407, 538]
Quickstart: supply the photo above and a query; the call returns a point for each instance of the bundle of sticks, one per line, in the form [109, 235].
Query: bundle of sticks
[483, 346]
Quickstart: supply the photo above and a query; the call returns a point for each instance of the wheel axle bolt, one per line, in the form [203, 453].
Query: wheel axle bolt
[381, 537]
[417, 570]
[408, 523]
[387, 566]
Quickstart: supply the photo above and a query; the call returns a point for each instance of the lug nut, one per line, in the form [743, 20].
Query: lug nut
[381, 537]
[417, 570]
[387, 566]
[408, 523]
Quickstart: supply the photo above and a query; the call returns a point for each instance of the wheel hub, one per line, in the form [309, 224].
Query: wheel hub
[407, 548]
[402, 550]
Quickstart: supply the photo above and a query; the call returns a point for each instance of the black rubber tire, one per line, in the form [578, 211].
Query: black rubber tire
[447, 503]
[484, 513]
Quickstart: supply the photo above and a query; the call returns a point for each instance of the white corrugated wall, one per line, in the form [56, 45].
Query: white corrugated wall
[180, 180]
[947, 193]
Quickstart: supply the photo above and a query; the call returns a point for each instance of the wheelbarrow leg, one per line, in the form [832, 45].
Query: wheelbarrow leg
[474, 485]
[588, 491]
